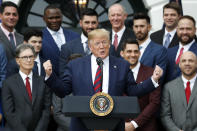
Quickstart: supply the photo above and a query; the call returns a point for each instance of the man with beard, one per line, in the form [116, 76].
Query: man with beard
[54, 36]
[167, 36]
[88, 22]
[178, 102]
[152, 54]
[186, 30]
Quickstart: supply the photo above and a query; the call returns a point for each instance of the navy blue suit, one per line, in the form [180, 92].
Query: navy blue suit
[68, 49]
[173, 70]
[50, 50]
[77, 79]
[3, 63]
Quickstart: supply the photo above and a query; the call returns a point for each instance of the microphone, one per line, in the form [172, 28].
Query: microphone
[100, 63]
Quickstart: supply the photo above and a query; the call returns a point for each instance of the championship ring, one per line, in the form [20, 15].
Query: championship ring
[101, 104]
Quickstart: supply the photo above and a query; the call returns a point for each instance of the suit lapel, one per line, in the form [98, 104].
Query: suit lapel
[22, 87]
[146, 52]
[113, 67]
[35, 86]
[140, 76]
[193, 94]
[181, 92]
[174, 41]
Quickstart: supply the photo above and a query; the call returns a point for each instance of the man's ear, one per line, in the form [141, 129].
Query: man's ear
[121, 53]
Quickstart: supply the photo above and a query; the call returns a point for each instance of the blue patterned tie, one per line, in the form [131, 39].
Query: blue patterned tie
[12, 39]
[87, 50]
[167, 41]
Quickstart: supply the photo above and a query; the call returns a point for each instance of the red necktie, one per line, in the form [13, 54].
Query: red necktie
[115, 41]
[181, 52]
[28, 88]
[97, 80]
[188, 92]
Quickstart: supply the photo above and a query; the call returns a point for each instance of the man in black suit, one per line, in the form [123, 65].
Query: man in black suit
[33, 37]
[9, 38]
[25, 97]
[167, 36]
[88, 22]
[119, 33]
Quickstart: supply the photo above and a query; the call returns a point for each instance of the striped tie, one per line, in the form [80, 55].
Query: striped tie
[98, 80]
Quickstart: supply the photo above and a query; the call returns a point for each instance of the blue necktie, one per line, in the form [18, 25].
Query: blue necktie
[87, 50]
[12, 39]
[35, 68]
[167, 41]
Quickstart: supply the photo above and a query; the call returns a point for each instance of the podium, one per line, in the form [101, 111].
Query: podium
[79, 106]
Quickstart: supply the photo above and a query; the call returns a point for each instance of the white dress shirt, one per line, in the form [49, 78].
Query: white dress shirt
[186, 48]
[61, 35]
[143, 47]
[120, 33]
[38, 64]
[172, 33]
[24, 76]
[84, 39]
[192, 81]
[94, 67]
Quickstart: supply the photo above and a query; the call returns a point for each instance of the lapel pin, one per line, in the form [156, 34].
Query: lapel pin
[115, 67]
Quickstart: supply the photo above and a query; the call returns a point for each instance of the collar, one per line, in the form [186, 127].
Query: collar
[24, 76]
[172, 33]
[105, 61]
[83, 38]
[6, 31]
[191, 81]
[146, 43]
[119, 33]
[37, 59]
[186, 47]
[60, 31]
[136, 68]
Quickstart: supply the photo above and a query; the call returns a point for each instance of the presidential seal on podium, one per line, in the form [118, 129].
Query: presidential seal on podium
[101, 104]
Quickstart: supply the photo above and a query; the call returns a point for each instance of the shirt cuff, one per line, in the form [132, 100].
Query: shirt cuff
[134, 124]
[154, 83]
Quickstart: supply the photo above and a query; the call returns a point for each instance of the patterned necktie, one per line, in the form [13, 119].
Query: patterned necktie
[98, 80]
[12, 39]
[115, 41]
[167, 41]
[35, 68]
[187, 91]
[181, 52]
[87, 50]
[28, 88]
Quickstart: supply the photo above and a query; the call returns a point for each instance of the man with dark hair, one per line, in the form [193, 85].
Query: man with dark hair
[186, 30]
[167, 36]
[152, 54]
[119, 32]
[9, 38]
[88, 22]
[149, 103]
[54, 36]
[25, 97]
[33, 37]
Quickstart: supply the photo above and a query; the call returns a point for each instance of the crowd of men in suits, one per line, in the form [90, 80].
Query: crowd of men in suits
[160, 68]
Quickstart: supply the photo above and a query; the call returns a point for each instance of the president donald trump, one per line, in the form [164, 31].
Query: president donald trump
[80, 76]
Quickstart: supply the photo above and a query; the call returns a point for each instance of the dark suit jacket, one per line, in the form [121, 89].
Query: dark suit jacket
[20, 113]
[9, 48]
[173, 70]
[50, 50]
[3, 63]
[13, 68]
[78, 73]
[128, 33]
[67, 50]
[157, 37]
[149, 103]
[153, 55]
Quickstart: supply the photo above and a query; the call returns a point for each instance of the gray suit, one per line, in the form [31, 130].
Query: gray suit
[9, 48]
[20, 113]
[176, 114]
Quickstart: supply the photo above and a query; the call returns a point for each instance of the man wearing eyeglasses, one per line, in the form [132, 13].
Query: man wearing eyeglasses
[25, 97]
[79, 76]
